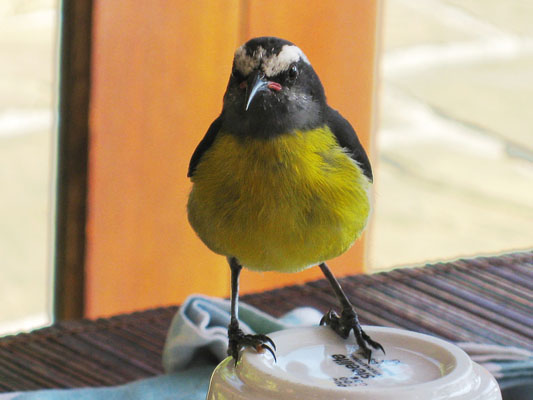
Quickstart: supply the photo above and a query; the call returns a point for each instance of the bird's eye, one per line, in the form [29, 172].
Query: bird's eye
[293, 71]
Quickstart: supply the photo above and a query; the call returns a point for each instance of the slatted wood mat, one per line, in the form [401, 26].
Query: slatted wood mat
[487, 300]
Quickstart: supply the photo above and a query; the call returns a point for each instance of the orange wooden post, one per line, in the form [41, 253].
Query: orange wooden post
[159, 71]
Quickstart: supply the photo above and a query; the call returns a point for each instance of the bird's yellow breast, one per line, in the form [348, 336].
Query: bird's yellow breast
[283, 203]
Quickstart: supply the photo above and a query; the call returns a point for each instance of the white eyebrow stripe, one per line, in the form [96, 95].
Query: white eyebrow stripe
[276, 64]
[273, 64]
[243, 62]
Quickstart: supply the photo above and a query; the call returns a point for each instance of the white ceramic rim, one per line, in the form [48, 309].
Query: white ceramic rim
[462, 368]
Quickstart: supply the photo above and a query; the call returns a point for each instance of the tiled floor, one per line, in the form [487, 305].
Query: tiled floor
[27, 57]
[454, 148]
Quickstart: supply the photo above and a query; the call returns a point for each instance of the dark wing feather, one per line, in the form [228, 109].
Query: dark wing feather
[204, 144]
[348, 139]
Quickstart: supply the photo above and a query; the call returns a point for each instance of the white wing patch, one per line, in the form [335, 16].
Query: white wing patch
[271, 65]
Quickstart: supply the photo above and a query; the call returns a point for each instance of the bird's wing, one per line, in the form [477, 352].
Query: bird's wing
[204, 144]
[348, 139]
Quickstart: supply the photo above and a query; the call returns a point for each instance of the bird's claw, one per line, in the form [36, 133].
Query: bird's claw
[261, 348]
[238, 341]
[347, 322]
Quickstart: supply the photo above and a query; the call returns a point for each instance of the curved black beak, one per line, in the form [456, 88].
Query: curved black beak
[256, 84]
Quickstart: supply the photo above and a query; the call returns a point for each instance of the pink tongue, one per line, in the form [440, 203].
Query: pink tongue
[274, 86]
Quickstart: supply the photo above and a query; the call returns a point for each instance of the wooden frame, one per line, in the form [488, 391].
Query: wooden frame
[72, 153]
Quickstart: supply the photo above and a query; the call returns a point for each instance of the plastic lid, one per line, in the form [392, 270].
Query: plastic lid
[315, 363]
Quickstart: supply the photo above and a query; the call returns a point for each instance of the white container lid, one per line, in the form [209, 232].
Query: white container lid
[315, 363]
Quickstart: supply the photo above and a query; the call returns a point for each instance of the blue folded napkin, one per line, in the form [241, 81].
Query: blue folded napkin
[197, 341]
[189, 384]
[201, 326]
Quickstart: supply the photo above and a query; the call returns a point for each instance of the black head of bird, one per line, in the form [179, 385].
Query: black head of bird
[273, 89]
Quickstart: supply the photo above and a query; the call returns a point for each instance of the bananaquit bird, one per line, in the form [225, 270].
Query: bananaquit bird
[280, 180]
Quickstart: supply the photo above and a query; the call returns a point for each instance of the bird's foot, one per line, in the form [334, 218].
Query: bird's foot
[238, 341]
[347, 322]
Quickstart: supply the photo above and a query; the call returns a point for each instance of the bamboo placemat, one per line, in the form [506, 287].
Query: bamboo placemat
[486, 300]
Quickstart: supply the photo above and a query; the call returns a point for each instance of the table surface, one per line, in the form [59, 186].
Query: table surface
[485, 300]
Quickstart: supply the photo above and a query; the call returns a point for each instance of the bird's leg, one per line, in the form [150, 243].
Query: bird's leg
[237, 339]
[348, 319]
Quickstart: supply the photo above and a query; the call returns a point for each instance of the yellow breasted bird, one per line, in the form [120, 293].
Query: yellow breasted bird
[280, 180]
